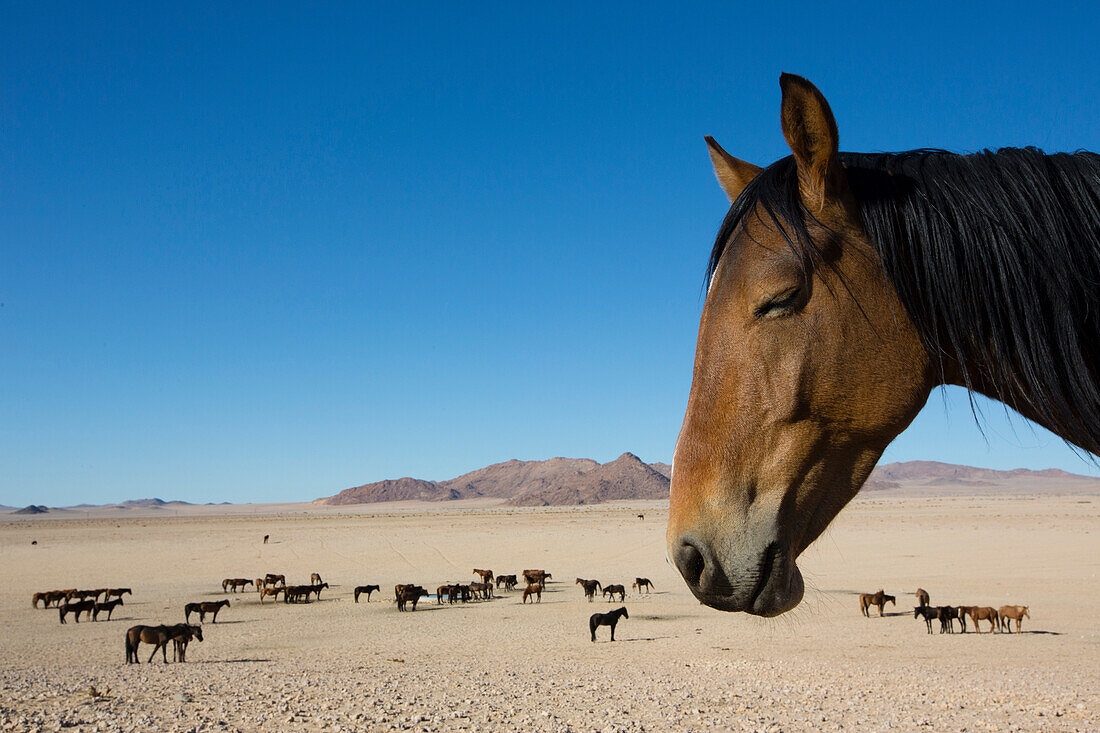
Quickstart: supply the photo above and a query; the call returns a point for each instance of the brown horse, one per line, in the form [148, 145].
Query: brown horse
[591, 588]
[182, 634]
[611, 590]
[204, 607]
[640, 583]
[981, 613]
[274, 592]
[315, 579]
[866, 600]
[158, 636]
[409, 594]
[537, 576]
[368, 589]
[842, 288]
[533, 589]
[922, 597]
[118, 592]
[509, 581]
[1008, 614]
[486, 575]
[274, 579]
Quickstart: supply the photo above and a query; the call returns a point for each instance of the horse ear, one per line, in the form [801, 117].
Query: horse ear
[733, 174]
[810, 129]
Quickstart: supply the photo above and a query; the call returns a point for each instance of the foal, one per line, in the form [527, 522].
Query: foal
[606, 619]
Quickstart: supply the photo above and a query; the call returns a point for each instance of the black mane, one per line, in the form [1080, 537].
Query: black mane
[995, 256]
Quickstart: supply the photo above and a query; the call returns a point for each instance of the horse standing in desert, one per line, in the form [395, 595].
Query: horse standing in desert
[611, 619]
[878, 598]
[1008, 614]
[842, 288]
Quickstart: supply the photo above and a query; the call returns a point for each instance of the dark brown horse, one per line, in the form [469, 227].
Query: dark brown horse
[591, 588]
[486, 575]
[107, 607]
[842, 288]
[158, 636]
[879, 598]
[204, 607]
[509, 581]
[640, 583]
[612, 590]
[409, 594]
[928, 613]
[948, 614]
[606, 619]
[368, 589]
[77, 608]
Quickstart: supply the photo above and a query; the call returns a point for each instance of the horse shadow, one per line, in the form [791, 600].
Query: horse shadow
[1037, 631]
[231, 661]
[226, 623]
[889, 614]
[645, 638]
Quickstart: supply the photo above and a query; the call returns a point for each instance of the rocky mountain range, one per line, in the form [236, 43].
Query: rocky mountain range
[574, 481]
[557, 481]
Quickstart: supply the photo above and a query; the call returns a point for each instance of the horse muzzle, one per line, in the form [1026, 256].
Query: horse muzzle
[760, 578]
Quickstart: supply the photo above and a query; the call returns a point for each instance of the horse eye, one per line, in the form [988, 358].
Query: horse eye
[781, 305]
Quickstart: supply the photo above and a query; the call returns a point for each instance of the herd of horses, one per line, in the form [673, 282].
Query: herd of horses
[76, 601]
[1000, 619]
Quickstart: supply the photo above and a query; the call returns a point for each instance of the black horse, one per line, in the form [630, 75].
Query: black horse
[929, 613]
[368, 589]
[606, 619]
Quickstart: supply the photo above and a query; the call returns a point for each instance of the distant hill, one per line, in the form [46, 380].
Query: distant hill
[575, 481]
[557, 481]
[32, 509]
[933, 477]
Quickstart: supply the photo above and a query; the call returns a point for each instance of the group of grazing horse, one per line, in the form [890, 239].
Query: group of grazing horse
[301, 593]
[1000, 619]
[159, 636]
[508, 581]
[204, 607]
[609, 591]
[75, 601]
[464, 592]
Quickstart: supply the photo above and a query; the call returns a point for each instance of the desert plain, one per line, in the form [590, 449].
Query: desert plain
[501, 665]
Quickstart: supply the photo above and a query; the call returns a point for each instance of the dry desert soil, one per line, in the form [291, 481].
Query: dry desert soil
[502, 665]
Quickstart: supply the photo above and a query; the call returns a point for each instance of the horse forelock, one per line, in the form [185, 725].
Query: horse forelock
[995, 257]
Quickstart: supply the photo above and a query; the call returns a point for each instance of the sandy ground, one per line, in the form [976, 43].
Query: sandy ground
[500, 665]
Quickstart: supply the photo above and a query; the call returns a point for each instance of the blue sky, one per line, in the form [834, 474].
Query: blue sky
[265, 252]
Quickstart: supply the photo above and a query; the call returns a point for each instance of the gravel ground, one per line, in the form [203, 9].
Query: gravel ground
[503, 665]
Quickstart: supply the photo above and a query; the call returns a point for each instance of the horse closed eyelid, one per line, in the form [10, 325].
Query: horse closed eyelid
[779, 305]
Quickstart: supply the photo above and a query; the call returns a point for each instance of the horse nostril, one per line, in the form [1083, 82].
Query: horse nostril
[690, 562]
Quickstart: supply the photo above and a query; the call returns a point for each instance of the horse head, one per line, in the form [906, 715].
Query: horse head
[782, 428]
